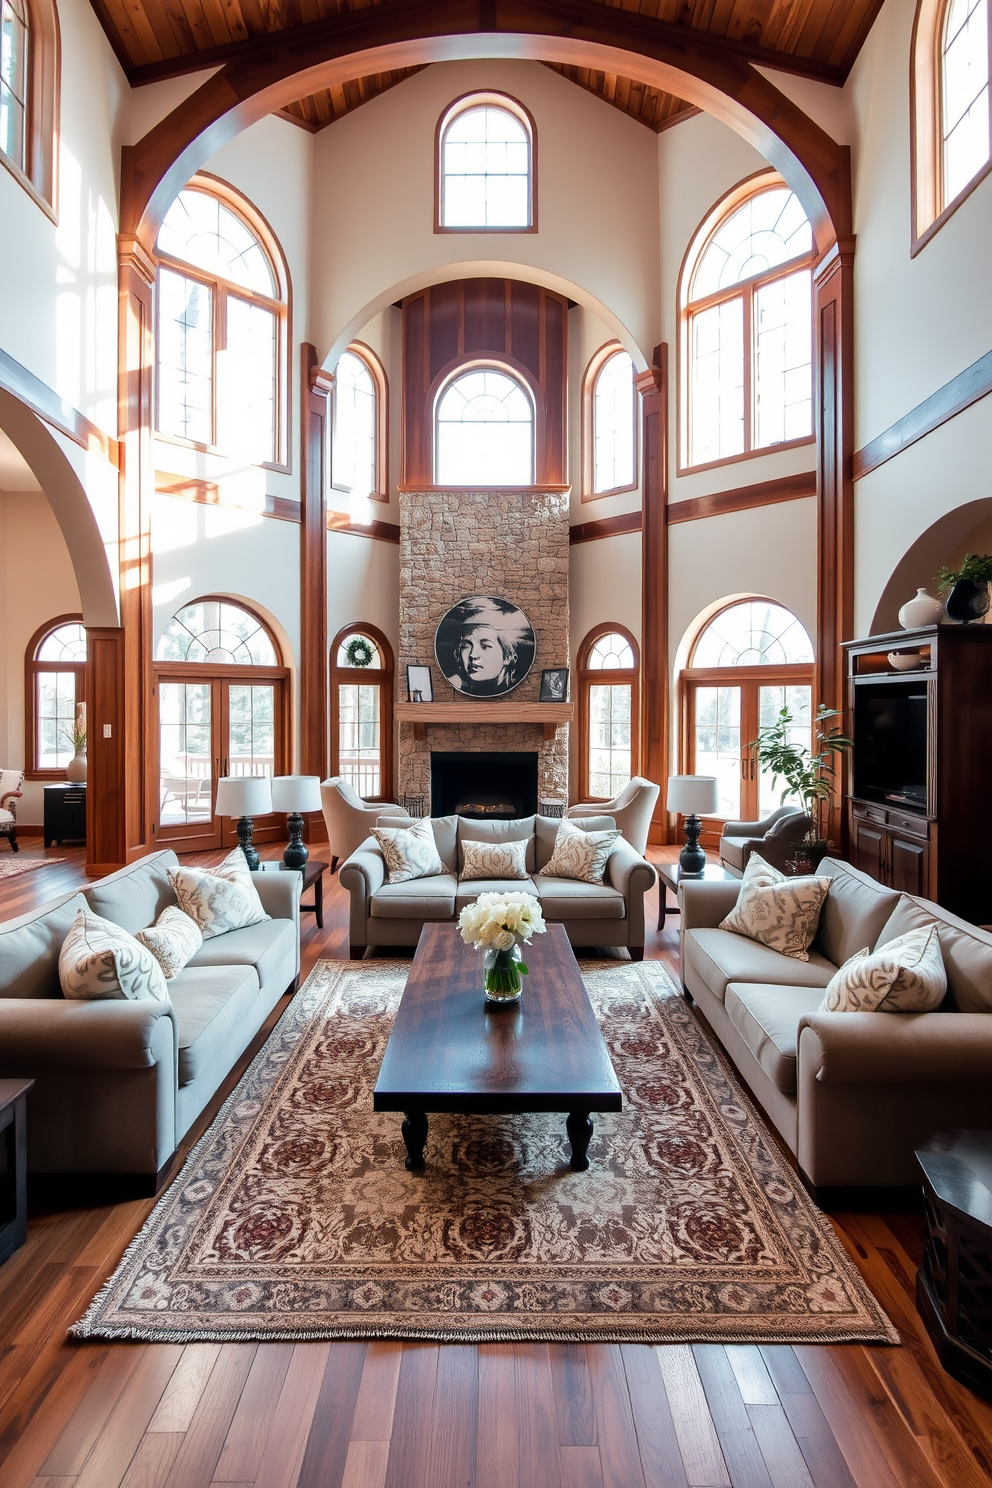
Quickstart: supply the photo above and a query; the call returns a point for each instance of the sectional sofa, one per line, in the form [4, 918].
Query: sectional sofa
[118, 1083]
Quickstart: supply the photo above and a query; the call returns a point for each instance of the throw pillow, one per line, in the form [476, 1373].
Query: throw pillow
[581, 855]
[224, 899]
[905, 976]
[780, 912]
[100, 960]
[494, 860]
[172, 940]
[410, 852]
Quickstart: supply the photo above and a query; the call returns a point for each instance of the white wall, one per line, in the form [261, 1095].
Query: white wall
[363, 586]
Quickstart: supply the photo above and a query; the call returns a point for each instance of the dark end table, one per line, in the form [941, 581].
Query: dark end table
[313, 875]
[13, 1165]
[670, 876]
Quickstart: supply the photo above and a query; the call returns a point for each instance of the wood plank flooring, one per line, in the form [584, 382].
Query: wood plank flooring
[392, 1415]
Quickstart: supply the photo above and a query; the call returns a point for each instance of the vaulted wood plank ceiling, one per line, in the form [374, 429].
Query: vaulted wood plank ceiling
[163, 38]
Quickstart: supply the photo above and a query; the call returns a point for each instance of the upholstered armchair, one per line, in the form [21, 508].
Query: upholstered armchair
[632, 810]
[776, 838]
[348, 818]
[10, 794]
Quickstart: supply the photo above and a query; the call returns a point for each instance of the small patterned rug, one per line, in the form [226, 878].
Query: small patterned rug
[295, 1218]
[11, 867]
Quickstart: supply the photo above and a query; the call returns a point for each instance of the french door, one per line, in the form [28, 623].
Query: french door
[223, 723]
[722, 712]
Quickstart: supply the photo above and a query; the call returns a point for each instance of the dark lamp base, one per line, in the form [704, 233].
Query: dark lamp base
[692, 859]
[296, 853]
[245, 829]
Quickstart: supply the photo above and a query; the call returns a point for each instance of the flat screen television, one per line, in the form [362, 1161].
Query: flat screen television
[890, 743]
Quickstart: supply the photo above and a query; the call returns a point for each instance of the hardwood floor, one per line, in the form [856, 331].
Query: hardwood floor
[395, 1415]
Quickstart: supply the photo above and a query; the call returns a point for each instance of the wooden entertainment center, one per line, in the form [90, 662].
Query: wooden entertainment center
[920, 790]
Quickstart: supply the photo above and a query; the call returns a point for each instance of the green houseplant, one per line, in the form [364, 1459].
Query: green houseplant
[967, 587]
[805, 776]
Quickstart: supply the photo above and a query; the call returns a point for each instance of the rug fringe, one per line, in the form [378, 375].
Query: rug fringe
[652, 1336]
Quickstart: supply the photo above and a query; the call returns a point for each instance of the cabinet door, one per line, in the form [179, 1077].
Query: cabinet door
[869, 849]
[908, 865]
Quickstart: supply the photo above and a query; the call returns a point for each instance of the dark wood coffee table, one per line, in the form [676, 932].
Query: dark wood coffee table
[448, 1052]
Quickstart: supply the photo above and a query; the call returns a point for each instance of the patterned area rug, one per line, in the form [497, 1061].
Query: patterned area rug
[11, 867]
[295, 1217]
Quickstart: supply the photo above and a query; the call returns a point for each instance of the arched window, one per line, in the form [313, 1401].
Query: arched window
[751, 660]
[608, 680]
[14, 82]
[951, 108]
[484, 431]
[55, 683]
[609, 440]
[362, 711]
[745, 291]
[222, 710]
[221, 326]
[485, 166]
[29, 102]
[359, 460]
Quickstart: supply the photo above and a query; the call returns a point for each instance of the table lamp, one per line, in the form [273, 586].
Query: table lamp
[692, 796]
[244, 796]
[295, 794]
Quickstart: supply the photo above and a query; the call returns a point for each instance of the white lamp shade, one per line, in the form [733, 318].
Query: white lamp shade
[296, 793]
[693, 795]
[244, 795]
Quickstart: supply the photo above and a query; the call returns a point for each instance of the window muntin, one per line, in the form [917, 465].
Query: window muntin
[608, 682]
[216, 632]
[613, 425]
[375, 661]
[185, 357]
[484, 431]
[612, 653]
[14, 81]
[747, 331]
[362, 712]
[65, 643]
[756, 632]
[354, 464]
[203, 232]
[485, 167]
[964, 95]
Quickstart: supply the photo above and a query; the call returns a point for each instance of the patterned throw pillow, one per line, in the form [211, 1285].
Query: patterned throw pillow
[224, 899]
[778, 911]
[172, 939]
[100, 960]
[581, 855]
[905, 976]
[410, 852]
[494, 860]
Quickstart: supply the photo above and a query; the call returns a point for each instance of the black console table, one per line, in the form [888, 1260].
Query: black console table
[65, 813]
[13, 1165]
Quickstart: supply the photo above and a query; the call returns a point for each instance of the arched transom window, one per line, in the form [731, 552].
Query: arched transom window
[221, 334]
[218, 632]
[362, 711]
[358, 463]
[609, 412]
[746, 295]
[484, 431]
[750, 661]
[964, 94]
[485, 166]
[56, 685]
[608, 672]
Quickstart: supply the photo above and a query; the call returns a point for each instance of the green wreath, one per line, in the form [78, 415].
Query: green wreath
[359, 652]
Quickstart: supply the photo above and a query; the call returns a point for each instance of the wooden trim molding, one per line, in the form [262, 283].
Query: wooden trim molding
[31, 669]
[654, 673]
[211, 493]
[47, 404]
[384, 678]
[605, 527]
[614, 677]
[743, 498]
[315, 418]
[39, 173]
[477, 99]
[382, 531]
[968, 387]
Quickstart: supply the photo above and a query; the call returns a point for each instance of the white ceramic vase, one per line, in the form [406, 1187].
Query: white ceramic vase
[923, 610]
[75, 770]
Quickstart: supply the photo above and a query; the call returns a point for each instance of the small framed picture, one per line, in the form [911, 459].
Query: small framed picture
[554, 685]
[419, 687]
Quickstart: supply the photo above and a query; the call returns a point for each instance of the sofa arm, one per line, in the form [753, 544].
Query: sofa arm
[704, 905]
[280, 894]
[117, 1033]
[897, 1048]
[744, 829]
[628, 871]
[362, 874]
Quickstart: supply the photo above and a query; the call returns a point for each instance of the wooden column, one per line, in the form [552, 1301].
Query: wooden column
[653, 388]
[315, 385]
[834, 404]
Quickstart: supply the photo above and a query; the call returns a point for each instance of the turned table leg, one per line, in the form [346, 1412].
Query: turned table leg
[579, 1128]
[415, 1136]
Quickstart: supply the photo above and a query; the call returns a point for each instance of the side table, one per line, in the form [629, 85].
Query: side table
[313, 874]
[13, 1165]
[670, 876]
[64, 813]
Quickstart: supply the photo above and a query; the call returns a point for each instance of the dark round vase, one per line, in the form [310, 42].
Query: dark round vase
[968, 601]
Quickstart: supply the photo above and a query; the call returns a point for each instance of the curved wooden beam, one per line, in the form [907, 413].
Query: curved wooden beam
[408, 33]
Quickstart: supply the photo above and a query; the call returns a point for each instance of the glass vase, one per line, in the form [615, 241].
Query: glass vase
[502, 974]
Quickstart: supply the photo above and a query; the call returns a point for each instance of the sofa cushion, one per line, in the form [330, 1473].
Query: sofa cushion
[99, 960]
[210, 1003]
[135, 896]
[854, 911]
[409, 852]
[421, 899]
[546, 834]
[264, 946]
[580, 853]
[172, 940]
[470, 889]
[905, 975]
[219, 901]
[767, 1019]
[719, 957]
[778, 911]
[966, 950]
[572, 899]
[493, 860]
[520, 830]
[29, 949]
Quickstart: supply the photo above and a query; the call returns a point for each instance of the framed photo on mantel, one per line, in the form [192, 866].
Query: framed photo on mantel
[554, 685]
[419, 687]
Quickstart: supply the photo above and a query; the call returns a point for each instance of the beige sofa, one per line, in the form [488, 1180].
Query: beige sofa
[118, 1083]
[852, 1094]
[607, 914]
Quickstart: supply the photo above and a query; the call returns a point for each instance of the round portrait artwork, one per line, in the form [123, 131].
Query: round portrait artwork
[484, 646]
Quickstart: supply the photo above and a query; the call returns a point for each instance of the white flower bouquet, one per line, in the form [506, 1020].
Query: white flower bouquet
[497, 924]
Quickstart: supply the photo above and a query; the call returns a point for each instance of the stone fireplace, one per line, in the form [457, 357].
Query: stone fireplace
[509, 544]
[500, 784]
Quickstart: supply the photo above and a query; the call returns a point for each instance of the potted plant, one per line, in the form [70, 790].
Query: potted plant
[75, 770]
[806, 776]
[968, 586]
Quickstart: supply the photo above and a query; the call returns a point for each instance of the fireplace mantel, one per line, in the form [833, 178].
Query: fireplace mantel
[547, 716]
